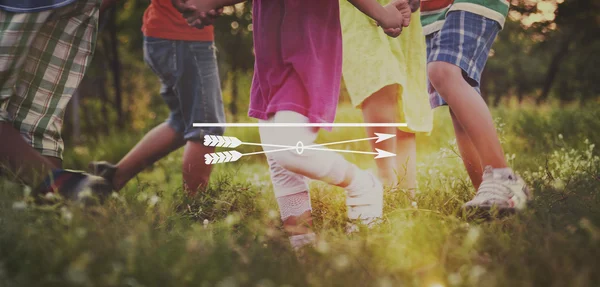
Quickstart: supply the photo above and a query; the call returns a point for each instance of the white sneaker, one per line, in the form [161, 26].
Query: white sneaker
[505, 193]
[366, 205]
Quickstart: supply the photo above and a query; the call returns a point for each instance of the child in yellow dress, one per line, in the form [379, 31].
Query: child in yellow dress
[386, 78]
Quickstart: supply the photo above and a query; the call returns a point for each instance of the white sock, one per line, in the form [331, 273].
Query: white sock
[294, 204]
[361, 181]
[301, 240]
[505, 172]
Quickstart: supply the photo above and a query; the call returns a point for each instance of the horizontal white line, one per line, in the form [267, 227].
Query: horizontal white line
[297, 125]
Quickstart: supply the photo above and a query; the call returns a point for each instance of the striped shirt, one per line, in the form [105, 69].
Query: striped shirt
[29, 6]
[433, 12]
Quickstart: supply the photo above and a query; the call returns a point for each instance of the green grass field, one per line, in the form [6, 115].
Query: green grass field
[151, 235]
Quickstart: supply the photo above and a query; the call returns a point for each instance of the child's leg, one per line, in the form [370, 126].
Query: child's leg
[456, 57]
[19, 157]
[382, 107]
[293, 199]
[365, 194]
[468, 153]
[470, 110]
[406, 159]
[195, 172]
[156, 144]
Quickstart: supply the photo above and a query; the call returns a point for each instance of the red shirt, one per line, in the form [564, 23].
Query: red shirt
[432, 5]
[162, 20]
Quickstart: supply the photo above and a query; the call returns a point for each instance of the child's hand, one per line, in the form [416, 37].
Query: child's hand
[393, 32]
[183, 6]
[204, 19]
[404, 7]
[393, 18]
[198, 13]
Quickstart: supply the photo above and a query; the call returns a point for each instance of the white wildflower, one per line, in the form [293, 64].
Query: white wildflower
[19, 205]
[153, 200]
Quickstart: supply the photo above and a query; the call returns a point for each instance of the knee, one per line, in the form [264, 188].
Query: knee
[405, 136]
[440, 73]
[285, 159]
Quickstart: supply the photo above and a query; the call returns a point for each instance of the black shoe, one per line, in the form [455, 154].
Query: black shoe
[103, 169]
[73, 185]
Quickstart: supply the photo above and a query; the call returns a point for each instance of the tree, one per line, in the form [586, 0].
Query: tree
[233, 36]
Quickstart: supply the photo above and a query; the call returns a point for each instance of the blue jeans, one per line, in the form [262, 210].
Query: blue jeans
[190, 84]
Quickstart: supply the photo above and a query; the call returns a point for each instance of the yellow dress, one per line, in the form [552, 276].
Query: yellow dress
[372, 60]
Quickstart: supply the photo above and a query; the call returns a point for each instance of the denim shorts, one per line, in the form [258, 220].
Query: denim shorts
[464, 40]
[190, 84]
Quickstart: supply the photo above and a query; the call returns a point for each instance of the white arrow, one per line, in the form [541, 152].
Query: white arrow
[231, 156]
[221, 141]
[380, 153]
[221, 157]
[383, 153]
[381, 137]
[233, 142]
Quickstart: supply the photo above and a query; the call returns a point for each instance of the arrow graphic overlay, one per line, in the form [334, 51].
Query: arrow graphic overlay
[222, 157]
[233, 142]
[299, 125]
[221, 141]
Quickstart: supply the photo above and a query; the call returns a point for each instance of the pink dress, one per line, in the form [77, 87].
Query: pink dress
[298, 47]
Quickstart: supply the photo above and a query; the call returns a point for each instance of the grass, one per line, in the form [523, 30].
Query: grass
[151, 235]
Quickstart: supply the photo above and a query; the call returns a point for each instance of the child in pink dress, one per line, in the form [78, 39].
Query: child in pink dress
[297, 77]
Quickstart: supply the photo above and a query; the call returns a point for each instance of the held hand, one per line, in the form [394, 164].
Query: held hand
[183, 7]
[393, 18]
[404, 7]
[393, 32]
[205, 19]
[198, 13]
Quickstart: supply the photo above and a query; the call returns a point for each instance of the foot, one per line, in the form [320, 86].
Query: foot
[74, 185]
[501, 193]
[103, 169]
[366, 204]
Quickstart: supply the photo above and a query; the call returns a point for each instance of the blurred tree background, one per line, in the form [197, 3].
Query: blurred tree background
[547, 54]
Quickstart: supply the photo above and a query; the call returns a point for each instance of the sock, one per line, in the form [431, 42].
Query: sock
[294, 204]
[301, 240]
[361, 181]
[505, 172]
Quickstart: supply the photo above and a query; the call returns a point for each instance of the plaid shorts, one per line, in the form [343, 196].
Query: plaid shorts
[43, 57]
[464, 40]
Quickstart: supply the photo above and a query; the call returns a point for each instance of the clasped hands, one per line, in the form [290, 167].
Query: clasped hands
[200, 13]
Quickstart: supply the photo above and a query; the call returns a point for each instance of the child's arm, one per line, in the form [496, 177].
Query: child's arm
[199, 13]
[207, 5]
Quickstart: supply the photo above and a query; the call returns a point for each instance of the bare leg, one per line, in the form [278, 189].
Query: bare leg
[382, 107]
[288, 169]
[57, 162]
[195, 172]
[17, 155]
[470, 110]
[406, 160]
[156, 144]
[296, 225]
[468, 153]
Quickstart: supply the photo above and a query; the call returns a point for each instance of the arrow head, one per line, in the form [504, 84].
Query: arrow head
[235, 142]
[236, 155]
[382, 137]
[383, 153]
